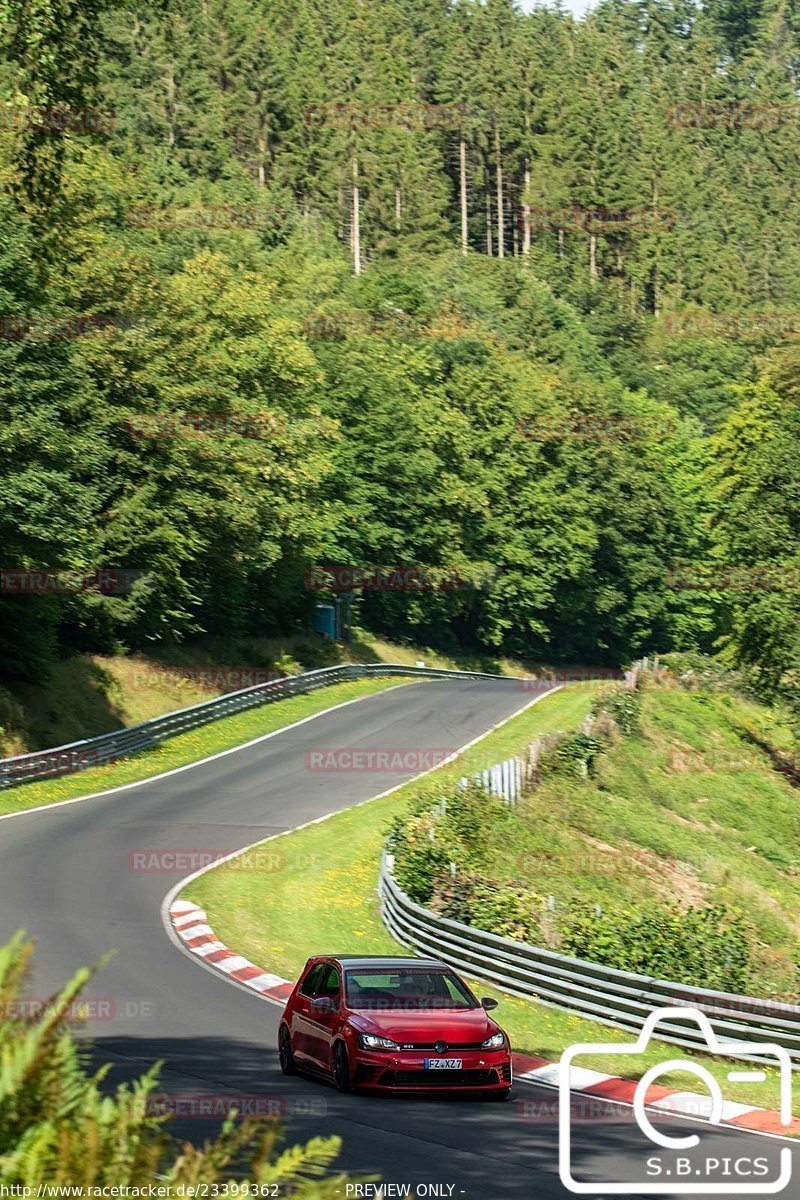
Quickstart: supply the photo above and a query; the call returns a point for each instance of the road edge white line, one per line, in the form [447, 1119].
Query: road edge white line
[262, 737]
[172, 894]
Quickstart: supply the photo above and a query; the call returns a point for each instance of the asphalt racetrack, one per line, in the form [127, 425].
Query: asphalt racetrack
[65, 878]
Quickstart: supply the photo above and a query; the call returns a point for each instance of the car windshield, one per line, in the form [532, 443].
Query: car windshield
[406, 989]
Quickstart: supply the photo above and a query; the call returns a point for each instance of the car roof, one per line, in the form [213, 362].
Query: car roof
[356, 961]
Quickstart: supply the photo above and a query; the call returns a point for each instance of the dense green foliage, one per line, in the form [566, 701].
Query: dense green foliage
[59, 1127]
[392, 449]
[708, 947]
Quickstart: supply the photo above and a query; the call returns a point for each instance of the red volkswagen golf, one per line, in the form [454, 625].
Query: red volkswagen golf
[392, 1024]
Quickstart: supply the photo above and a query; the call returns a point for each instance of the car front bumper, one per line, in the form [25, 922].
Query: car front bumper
[390, 1071]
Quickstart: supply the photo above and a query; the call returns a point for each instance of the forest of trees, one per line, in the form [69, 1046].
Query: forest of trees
[539, 428]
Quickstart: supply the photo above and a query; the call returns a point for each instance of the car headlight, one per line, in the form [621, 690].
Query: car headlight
[369, 1041]
[495, 1042]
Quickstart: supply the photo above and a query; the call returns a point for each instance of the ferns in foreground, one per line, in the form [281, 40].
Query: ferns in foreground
[58, 1126]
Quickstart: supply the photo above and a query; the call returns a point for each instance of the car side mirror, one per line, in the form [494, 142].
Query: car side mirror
[488, 1003]
[322, 1004]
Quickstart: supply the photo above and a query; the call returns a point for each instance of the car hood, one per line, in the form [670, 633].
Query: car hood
[448, 1025]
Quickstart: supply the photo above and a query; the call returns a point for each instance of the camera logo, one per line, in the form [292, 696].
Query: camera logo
[676, 1172]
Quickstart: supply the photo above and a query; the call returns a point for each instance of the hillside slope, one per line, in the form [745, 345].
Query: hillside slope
[689, 812]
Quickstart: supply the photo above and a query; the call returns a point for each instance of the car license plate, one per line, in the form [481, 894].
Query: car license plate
[443, 1064]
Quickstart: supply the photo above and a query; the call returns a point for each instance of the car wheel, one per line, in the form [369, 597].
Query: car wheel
[499, 1096]
[285, 1052]
[341, 1068]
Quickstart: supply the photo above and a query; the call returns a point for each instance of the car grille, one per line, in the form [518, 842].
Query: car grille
[432, 1046]
[505, 1072]
[443, 1078]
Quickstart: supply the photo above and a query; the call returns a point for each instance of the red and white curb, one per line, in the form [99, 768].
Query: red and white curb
[191, 926]
[668, 1100]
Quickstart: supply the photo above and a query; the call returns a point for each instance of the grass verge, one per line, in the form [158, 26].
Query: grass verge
[320, 894]
[189, 747]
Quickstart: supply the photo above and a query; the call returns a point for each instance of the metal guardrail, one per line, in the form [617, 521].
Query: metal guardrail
[601, 993]
[107, 747]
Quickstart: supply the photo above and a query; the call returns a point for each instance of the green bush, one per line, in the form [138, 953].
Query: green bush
[694, 671]
[453, 896]
[624, 705]
[710, 947]
[417, 868]
[418, 859]
[473, 820]
[460, 828]
[572, 754]
[510, 910]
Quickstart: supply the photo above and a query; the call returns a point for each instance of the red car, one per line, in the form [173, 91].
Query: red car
[392, 1024]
